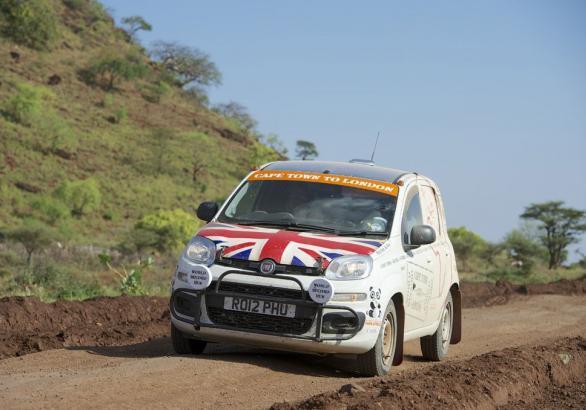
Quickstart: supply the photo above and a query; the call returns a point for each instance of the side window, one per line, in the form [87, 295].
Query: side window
[431, 214]
[411, 216]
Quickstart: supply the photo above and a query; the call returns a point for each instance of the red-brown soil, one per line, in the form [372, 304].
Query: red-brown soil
[509, 378]
[27, 325]
[487, 294]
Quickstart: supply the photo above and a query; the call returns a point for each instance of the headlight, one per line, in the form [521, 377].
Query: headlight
[201, 250]
[349, 267]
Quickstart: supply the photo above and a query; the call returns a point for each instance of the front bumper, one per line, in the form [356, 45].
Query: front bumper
[330, 328]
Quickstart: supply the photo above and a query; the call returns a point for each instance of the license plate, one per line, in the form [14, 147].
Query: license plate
[263, 307]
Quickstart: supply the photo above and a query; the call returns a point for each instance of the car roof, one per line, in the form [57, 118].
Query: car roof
[351, 169]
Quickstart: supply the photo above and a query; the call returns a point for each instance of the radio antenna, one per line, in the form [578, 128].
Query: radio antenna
[374, 149]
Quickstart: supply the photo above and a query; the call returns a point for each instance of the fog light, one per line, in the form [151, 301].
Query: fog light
[349, 297]
[182, 276]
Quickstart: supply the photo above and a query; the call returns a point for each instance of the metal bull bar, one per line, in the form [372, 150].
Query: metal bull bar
[318, 318]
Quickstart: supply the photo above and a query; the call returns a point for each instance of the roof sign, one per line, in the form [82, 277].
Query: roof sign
[354, 182]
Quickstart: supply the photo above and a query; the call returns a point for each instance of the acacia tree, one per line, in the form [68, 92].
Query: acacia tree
[82, 197]
[189, 65]
[560, 227]
[135, 24]
[306, 150]
[34, 236]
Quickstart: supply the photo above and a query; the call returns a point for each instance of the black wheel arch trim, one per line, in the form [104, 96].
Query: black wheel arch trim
[457, 314]
[397, 300]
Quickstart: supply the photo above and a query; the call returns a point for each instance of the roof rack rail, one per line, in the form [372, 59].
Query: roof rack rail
[362, 161]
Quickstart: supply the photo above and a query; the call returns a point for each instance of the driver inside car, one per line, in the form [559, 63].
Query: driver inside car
[344, 206]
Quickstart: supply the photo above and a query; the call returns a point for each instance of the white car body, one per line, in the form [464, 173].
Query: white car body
[418, 281]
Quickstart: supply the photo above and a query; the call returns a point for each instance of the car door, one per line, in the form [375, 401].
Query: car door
[433, 217]
[420, 279]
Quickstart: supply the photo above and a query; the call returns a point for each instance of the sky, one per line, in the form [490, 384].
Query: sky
[487, 98]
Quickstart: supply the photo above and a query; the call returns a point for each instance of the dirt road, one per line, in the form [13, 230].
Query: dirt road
[147, 375]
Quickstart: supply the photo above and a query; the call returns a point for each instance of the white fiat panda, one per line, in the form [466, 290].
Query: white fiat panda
[321, 257]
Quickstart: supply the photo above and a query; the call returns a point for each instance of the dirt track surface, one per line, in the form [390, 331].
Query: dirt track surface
[28, 325]
[510, 378]
[148, 375]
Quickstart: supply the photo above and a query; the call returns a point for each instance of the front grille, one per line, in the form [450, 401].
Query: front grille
[254, 265]
[255, 321]
[258, 290]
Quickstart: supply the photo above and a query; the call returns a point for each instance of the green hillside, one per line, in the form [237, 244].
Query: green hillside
[135, 145]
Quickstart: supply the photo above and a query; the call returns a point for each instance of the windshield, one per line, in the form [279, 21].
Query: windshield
[311, 206]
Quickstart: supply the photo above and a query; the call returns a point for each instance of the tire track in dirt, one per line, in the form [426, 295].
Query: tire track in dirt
[148, 375]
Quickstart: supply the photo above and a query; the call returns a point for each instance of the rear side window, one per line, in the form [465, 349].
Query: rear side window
[431, 214]
[412, 216]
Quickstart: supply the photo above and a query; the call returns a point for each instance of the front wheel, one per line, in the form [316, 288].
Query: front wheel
[435, 347]
[183, 345]
[378, 360]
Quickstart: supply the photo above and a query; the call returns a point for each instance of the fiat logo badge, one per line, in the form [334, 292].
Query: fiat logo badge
[267, 266]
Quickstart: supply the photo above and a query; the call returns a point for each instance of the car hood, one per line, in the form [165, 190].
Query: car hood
[283, 246]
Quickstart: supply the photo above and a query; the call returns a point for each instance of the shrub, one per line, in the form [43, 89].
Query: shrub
[508, 273]
[198, 95]
[81, 196]
[162, 138]
[107, 70]
[32, 23]
[238, 113]
[26, 105]
[130, 280]
[523, 251]
[165, 230]
[273, 141]
[50, 210]
[120, 115]
[54, 129]
[76, 4]
[110, 215]
[154, 92]
[261, 154]
[467, 245]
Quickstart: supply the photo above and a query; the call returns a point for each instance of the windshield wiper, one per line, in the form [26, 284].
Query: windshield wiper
[290, 224]
[361, 233]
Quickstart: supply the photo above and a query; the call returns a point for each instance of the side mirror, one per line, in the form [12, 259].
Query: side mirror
[207, 210]
[421, 235]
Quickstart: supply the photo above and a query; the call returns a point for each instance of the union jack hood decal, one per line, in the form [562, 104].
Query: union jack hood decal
[283, 246]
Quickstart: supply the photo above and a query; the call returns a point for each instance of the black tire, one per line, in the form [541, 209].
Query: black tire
[376, 362]
[183, 345]
[435, 347]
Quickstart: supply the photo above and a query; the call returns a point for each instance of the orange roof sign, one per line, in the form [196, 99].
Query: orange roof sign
[354, 182]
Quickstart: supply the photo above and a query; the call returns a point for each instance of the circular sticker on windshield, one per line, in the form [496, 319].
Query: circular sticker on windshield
[200, 277]
[321, 290]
